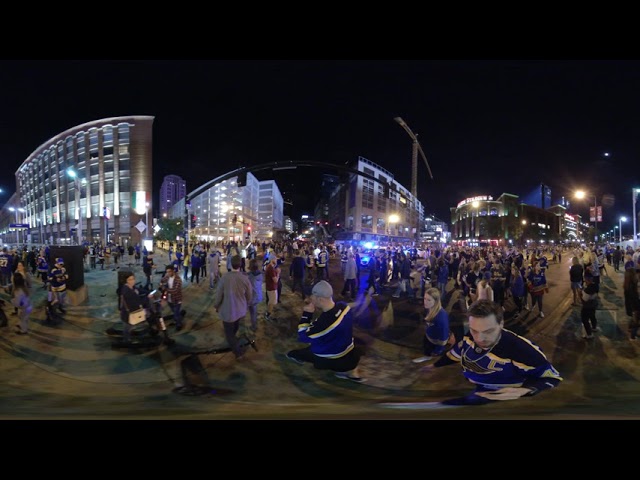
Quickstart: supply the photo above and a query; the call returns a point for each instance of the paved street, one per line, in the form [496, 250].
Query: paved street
[71, 371]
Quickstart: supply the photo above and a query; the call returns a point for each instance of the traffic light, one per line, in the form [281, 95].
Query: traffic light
[194, 221]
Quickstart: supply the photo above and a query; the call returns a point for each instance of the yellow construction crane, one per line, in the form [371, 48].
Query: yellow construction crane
[414, 158]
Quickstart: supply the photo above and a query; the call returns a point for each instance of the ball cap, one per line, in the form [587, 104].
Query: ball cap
[60, 260]
[322, 289]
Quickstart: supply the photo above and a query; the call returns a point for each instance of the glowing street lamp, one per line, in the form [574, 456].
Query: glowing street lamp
[72, 173]
[635, 192]
[17, 221]
[581, 194]
[622, 219]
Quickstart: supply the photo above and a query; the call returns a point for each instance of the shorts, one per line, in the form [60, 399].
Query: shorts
[272, 295]
[576, 285]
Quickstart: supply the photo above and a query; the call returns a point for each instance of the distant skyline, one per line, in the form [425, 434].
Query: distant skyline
[486, 127]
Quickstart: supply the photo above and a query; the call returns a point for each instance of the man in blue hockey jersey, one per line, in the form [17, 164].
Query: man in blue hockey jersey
[501, 364]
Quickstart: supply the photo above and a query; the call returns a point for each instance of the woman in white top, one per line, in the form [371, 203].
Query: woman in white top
[483, 289]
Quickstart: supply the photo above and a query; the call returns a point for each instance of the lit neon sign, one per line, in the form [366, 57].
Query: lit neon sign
[479, 198]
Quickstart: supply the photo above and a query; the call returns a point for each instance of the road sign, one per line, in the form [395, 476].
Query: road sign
[18, 225]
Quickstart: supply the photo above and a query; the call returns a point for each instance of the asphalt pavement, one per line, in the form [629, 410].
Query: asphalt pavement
[73, 371]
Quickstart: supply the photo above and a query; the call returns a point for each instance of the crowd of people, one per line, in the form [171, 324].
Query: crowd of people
[464, 292]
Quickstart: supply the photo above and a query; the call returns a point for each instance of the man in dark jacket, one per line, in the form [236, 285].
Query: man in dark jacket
[296, 273]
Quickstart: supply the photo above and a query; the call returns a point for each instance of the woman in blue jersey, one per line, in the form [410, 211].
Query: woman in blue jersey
[437, 332]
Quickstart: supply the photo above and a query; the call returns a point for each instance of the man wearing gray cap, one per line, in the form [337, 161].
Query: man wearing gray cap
[330, 335]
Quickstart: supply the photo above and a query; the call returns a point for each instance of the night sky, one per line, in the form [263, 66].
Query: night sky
[486, 127]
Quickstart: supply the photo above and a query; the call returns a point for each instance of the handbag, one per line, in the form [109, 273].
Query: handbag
[137, 316]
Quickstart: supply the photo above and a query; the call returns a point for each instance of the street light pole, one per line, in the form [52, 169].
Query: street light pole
[581, 194]
[634, 192]
[17, 232]
[622, 219]
[595, 203]
[76, 180]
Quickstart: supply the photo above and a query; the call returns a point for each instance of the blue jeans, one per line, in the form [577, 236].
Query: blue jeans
[177, 314]
[253, 312]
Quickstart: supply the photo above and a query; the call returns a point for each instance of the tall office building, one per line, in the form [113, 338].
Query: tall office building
[112, 160]
[173, 189]
[270, 210]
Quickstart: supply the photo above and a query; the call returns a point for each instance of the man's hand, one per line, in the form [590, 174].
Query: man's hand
[507, 393]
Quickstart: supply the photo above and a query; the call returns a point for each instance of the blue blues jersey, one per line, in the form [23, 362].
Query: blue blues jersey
[331, 334]
[58, 279]
[437, 331]
[43, 265]
[512, 362]
[6, 262]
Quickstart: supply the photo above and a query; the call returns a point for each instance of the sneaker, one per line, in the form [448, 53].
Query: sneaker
[526, 307]
[345, 376]
[541, 315]
[293, 359]
[421, 359]
[596, 329]
[395, 296]
[588, 337]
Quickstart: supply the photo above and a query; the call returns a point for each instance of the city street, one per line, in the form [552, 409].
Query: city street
[72, 371]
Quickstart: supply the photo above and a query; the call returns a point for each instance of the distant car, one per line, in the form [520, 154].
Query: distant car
[365, 257]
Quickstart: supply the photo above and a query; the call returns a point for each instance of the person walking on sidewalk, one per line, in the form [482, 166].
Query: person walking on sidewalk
[255, 277]
[576, 274]
[296, 273]
[129, 301]
[271, 277]
[231, 301]
[171, 283]
[350, 275]
[589, 300]
[537, 288]
[330, 335]
[22, 302]
[632, 301]
[214, 268]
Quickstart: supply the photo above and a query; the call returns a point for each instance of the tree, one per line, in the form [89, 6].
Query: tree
[170, 228]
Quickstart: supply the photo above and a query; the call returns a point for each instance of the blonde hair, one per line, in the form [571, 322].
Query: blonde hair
[437, 303]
